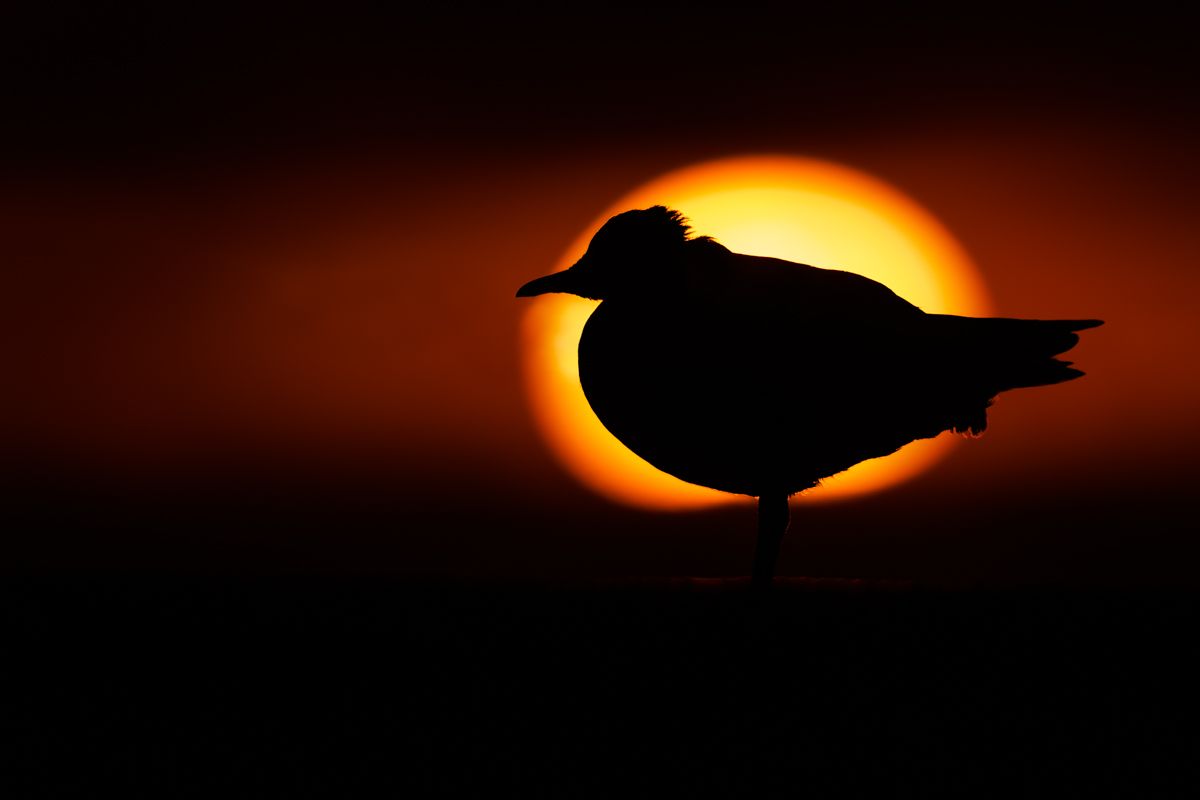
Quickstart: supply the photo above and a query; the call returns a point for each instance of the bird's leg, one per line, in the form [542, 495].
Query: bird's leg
[773, 520]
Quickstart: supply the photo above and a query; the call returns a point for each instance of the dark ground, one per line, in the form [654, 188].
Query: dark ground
[200, 687]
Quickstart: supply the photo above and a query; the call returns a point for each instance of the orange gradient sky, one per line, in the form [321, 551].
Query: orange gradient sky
[309, 316]
[352, 325]
[259, 250]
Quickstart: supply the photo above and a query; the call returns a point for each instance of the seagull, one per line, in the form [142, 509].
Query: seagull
[762, 377]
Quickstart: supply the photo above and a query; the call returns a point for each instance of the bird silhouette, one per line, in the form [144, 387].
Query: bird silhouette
[760, 376]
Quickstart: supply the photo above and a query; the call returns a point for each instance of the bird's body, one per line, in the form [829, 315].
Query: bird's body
[761, 377]
[767, 376]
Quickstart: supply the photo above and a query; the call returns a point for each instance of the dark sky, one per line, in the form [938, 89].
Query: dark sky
[150, 80]
[260, 267]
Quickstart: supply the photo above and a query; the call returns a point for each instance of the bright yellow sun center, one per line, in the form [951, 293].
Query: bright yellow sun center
[805, 210]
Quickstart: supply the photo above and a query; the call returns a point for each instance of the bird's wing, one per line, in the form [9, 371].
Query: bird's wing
[803, 291]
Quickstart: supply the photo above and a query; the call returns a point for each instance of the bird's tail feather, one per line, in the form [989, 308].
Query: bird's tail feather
[1019, 353]
[1042, 373]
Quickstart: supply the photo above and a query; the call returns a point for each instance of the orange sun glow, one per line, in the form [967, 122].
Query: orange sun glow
[806, 210]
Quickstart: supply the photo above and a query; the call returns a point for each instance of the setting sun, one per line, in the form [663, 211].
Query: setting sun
[804, 210]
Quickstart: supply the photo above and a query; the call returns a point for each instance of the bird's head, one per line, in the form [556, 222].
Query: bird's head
[635, 252]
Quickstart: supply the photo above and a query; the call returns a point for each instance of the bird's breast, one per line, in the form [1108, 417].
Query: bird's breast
[678, 386]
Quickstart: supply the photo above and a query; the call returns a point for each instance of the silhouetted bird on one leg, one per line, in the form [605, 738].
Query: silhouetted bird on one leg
[761, 377]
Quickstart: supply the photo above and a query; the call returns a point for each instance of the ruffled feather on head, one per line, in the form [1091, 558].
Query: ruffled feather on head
[645, 229]
[671, 220]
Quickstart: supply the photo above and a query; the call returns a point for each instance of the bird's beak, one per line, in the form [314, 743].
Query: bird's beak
[556, 282]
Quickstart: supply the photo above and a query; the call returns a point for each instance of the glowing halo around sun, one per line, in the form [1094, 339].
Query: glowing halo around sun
[806, 210]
